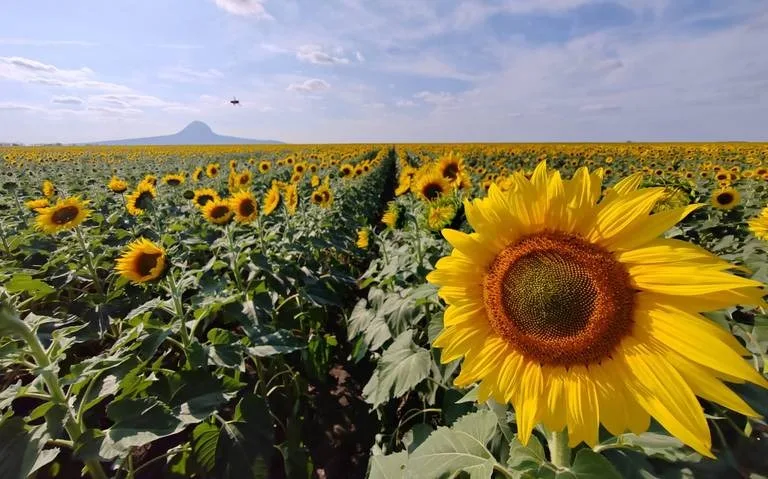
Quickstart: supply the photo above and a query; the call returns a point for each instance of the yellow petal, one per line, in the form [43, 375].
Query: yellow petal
[526, 400]
[467, 312]
[471, 246]
[614, 217]
[610, 392]
[652, 227]
[583, 418]
[460, 340]
[479, 364]
[685, 280]
[661, 391]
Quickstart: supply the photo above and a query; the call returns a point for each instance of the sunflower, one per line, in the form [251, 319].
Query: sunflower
[271, 200]
[244, 205]
[346, 170]
[725, 199]
[197, 174]
[37, 204]
[403, 185]
[322, 196]
[243, 180]
[566, 307]
[203, 196]
[116, 185]
[315, 181]
[299, 168]
[391, 216]
[64, 215]
[440, 216]
[451, 166]
[291, 199]
[362, 238]
[430, 185]
[264, 166]
[173, 179]
[48, 189]
[141, 261]
[759, 225]
[150, 180]
[218, 211]
[141, 198]
[212, 170]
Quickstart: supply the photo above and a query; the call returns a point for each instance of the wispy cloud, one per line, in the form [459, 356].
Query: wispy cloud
[309, 86]
[67, 100]
[32, 71]
[33, 42]
[254, 8]
[188, 75]
[315, 54]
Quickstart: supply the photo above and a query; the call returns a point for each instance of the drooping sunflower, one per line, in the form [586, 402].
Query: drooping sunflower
[264, 166]
[440, 216]
[116, 185]
[759, 225]
[64, 215]
[218, 211]
[48, 189]
[725, 198]
[244, 206]
[322, 196]
[212, 170]
[203, 196]
[566, 307]
[391, 216]
[173, 179]
[142, 261]
[291, 199]
[37, 204]
[430, 185]
[271, 200]
[141, 198]
[362, 238]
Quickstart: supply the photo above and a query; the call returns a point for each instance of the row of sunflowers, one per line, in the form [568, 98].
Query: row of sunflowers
[579, 310]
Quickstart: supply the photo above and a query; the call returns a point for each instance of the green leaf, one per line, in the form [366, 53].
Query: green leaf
[658, 445]
[278, 342]
[21, 448]
[526, 457]
[225, 349]
[25, 283]
[137, 422]
[591, 465]
[402, 366]
[447, 451]
[204, 438]
[391, 466]
[245, 444]
[481, 425]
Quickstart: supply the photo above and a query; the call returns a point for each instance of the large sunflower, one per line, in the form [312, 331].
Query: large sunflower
[217, 211]
[244, 206]
[141, 198]
[141, 261]
[64, 215]
[759, 225]
[725, 198]
[322, 196]
[116, 185]
[579, 313]
[271, 200]
[430, 184]
[203, 196]
[291, 199]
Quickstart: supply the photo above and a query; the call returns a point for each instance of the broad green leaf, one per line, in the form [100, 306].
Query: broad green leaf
[391, 466]
[402, 367]
[526, 457]
[481, 425]
[591, 465]
[27, 284]
[447, 451]
[137, 422]
[21, 448]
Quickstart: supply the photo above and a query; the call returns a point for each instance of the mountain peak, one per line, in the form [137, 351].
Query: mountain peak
[197, 128]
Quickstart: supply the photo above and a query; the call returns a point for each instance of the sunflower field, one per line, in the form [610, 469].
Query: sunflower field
[384, 311]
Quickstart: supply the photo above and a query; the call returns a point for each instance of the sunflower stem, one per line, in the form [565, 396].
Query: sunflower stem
[233, 257]
[6, 247]
[12, 322]
[179, 310]
[559, 452]
[89, 261]
[260, 226]
[18, 204]
[417, 232]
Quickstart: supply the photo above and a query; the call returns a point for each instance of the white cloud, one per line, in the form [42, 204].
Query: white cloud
[315, 54]
[439, 99]
[311, 85]
[187, 75]
[44, 43]
[176, 46]
[253, 8]
[115, 111]
[67, 100]
[32, 71]
[128, 100]
[359, 57]
[405, 103]
[11, 106]
[426, 66]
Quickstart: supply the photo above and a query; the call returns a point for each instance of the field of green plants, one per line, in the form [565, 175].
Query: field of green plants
[384, 311]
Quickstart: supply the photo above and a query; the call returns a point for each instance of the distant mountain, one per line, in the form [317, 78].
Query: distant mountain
[196, 133]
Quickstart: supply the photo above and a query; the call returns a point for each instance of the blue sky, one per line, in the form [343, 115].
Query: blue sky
[386, 70]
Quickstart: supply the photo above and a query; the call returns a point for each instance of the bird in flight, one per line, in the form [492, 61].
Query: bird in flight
[234, 101]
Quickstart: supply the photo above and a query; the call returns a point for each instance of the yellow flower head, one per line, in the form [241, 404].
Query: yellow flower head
[322, 196]
[141, 198]
[271, 200]
[37, 204]
[291, 199]
[556, 300]
[725, 198]
[173, 179]
[116, 185]
[362, 238]
[142, 261]
[48, 189]
[64, 215]
[218, 211]
[244, 205]
[203, 196]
